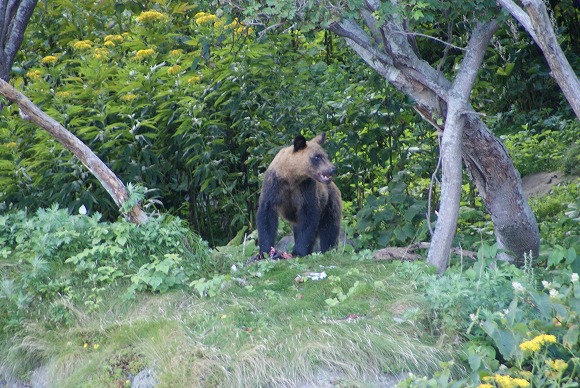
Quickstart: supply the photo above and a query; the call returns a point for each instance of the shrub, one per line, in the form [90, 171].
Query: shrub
[53, 255]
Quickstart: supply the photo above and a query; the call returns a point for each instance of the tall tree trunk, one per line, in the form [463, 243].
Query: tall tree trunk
[14, 17]
[451, 145]
[387, 49]
[108, 179]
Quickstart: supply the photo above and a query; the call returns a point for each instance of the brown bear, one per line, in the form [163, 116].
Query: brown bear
[298, 186]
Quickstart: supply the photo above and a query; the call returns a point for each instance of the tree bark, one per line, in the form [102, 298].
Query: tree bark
[387, 50]
[459, 94]
[537, 23]
[14, 17]
[108, 179]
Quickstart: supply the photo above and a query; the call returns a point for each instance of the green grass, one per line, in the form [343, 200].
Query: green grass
[263, 328]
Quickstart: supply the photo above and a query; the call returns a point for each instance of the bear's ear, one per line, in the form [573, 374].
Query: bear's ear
[320, 138]
[299, 143]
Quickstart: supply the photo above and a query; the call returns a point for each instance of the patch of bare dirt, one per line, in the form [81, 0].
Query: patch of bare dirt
[539, 184]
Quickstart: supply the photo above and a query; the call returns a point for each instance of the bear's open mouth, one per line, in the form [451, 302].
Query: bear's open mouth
[324, 178]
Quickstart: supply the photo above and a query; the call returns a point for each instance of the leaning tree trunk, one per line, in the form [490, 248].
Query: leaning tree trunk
[387, 50]
[537, 23]
[108, 179]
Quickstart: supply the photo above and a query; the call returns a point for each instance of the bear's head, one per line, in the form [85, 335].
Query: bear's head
[311, 159]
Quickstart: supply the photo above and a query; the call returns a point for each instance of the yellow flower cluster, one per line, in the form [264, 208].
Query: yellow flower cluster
[142, 54]
[504, 381]
[34, 74]
[234, 24]
[49, 60]
[128, 97]
[525, 374]
[101, 53]
[194, 80]
[150, 16]
[64, 95]
[83, 45]
[174, 70]
[205, 18]
[12, 144]
[536, 343]
[242, 29]
[237, 27]
[176, 53]
[113, 40]
[557, 365]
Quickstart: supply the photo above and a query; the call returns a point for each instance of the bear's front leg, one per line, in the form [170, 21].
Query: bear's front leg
[267, 219]
[329, 228]
[305, 230]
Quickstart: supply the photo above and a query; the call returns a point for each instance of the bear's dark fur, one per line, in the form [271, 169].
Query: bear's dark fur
[298, 186]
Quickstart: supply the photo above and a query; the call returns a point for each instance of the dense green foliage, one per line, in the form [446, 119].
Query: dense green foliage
[193, 106]
[190, 104]
[185, 101]
[67, 259]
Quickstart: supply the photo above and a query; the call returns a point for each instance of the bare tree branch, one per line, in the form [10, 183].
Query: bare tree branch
[108, 179]
[519, 14]
[487, 161]
[435, 39]
[537, 23]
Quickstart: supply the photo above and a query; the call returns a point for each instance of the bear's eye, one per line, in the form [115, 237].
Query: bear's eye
[317, 158]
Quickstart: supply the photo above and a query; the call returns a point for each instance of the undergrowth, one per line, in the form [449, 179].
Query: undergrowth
[52, 260]
[266, 324]
[91, 303]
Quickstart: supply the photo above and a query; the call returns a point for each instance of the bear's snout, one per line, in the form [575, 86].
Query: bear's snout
[326, 176]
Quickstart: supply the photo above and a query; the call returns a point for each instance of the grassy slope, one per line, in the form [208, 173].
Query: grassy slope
[262, 329]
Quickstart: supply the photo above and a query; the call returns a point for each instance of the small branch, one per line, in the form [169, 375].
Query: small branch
[432, 38]
[431, 184]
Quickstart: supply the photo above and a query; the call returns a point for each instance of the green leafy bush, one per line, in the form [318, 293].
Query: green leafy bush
[557, 215]
[546, 146]
[571, 159]
[391, 218]
[517, 327]
[51, 255]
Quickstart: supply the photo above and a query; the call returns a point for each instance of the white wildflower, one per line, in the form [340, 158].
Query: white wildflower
[518, 286]
[317, 275]
[574, 277]
[546, 284]
[554, 293]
